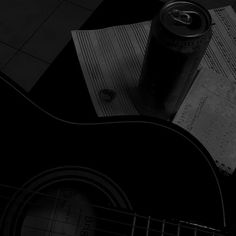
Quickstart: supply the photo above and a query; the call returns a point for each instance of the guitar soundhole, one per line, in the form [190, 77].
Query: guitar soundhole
[60, 211]
[69, 206]
[77, 201]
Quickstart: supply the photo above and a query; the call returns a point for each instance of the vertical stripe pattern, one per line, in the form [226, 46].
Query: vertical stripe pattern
[111, 58]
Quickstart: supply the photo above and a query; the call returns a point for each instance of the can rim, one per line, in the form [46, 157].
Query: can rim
[206, 13]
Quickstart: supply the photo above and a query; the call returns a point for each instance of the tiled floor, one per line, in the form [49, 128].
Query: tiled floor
[6, 52]
[57, 29]
[33, 32]
[25, 70]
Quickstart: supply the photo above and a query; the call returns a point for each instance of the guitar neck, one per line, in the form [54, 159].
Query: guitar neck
[111, 221]
[132, 224]
[164, 227]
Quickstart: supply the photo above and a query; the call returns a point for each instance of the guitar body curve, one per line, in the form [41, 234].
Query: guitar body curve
[153, 167]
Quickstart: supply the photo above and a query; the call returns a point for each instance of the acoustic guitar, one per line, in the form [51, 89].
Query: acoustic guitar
[112, 176]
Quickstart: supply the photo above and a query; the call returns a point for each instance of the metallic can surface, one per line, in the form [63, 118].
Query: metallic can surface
[178, 38]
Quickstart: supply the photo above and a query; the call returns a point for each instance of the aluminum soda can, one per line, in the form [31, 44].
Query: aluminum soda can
[179, 35]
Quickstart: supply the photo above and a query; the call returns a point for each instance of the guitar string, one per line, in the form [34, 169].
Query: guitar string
[100, 230]
[65, 234]
[98, 123]
[183, 226]
[95, 206]
[147, 230]
[64, 199]
[44, 111]
[125, 224]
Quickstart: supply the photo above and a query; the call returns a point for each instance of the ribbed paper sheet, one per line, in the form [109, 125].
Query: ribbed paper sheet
[111, 60]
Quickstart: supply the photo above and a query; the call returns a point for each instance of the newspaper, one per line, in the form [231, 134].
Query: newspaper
[209, 113]
[111, 61]
[221, 53]
[209, 110]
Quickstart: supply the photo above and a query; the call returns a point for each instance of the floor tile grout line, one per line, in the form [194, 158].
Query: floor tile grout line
[24, 52]
[18, 50]
[35, 31]
[79, 5]
[35, 57]
[8, 45]
[28, 54]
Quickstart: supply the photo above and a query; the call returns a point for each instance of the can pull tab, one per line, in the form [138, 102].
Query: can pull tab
[182, 17]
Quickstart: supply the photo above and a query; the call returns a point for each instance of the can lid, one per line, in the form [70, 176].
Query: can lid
[185, 18]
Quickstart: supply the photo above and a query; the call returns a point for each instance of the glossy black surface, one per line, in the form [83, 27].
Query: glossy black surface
[32, 141]
[164, 171]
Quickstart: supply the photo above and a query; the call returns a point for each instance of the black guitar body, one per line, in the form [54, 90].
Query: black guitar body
[138, 165]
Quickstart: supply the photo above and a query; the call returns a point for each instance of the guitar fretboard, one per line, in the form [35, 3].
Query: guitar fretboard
[108, 221]
[131, 224]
